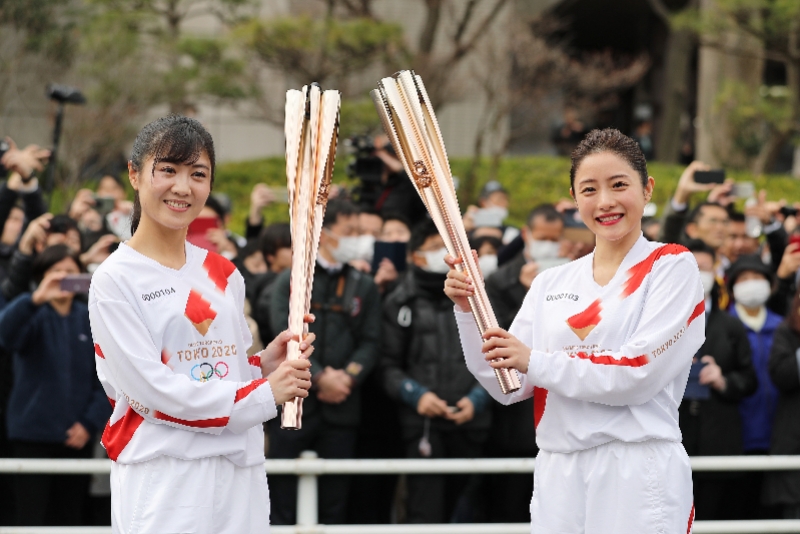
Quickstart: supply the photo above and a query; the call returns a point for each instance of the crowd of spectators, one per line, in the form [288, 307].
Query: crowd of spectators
[389, 379]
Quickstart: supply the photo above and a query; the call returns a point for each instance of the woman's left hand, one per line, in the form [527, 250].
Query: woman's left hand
[503, 350]
[275, 353]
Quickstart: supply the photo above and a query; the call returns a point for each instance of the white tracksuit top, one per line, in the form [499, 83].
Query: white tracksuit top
[170, 350]
[607, 363]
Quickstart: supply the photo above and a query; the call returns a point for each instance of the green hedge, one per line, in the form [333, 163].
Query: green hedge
[530, 180]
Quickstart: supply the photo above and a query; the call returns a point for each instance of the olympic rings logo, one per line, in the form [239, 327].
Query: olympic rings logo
[203, 372]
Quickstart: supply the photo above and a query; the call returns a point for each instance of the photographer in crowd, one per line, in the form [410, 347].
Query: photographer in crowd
[56, 404]
[383, 185]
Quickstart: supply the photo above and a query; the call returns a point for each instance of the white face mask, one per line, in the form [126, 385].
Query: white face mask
[347, 250]
[751, 293]
[366, 247]
[435, 261]
[488, 264]
[492, 216]
[707, 279]
[543, 250]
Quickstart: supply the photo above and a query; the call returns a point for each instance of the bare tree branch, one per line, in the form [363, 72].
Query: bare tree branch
[465, 19]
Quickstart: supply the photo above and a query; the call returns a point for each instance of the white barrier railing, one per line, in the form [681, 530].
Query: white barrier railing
[308, 467]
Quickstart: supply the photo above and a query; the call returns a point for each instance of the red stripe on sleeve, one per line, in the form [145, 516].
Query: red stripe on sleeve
[112, 402]
[98, 351]
[539, 403]
[698, 311]
[202, 423]
[638, 272]
[248, 389]
[117, 436]
[602, 359]
[254, 360]
[691, 520]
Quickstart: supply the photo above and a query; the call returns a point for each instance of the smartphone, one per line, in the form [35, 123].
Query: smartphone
[76, 283]
[196, 234]
[789, 211]
[572, 219]
[395, 251]
[794, 239]
[203, 224]
[104, 205]
[743, 189]
[694, 389]
[715, 176]
[281, 194]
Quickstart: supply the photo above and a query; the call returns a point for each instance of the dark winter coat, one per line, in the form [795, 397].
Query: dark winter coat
[758, 409]
[421, 351]
[784, 487]
[348, 329]
[713, 427]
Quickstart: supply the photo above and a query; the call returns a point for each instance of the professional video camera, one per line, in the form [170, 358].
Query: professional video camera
[366, 167]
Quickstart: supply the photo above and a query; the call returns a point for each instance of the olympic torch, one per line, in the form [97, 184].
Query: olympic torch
[410, 123]
[311, 127]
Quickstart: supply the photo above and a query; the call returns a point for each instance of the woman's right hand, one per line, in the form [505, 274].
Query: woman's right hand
[291, 379]
[458, 285]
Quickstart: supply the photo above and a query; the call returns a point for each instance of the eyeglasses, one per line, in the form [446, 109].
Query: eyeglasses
[717, 222]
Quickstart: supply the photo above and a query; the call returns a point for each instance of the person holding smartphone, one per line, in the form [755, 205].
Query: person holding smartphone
[604, 345]
[170, 344]
[56, 404]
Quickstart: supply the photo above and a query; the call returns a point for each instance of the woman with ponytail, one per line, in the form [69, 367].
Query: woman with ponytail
[171, 342]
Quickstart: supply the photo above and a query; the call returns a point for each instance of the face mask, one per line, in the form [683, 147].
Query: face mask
[543, 250]
[347, 250]
[435, 261]
[488, 264]
[751, 293]
[707, 279]
[366, 247]
[493, 216]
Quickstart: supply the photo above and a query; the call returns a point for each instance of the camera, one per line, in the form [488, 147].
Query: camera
[65, 94]
[366, 167]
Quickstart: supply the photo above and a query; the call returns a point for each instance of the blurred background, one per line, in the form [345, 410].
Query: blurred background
[711, 80]
[710, 89]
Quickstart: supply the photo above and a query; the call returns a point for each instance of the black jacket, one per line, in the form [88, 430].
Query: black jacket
[505, 291]
[713, 427]
[513, 433]
[347, 308]
[421, 343]
[784, 487]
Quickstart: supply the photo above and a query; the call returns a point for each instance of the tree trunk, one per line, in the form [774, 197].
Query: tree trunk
[466, 190]
[717, 64]
[680, 46]
[769, 152]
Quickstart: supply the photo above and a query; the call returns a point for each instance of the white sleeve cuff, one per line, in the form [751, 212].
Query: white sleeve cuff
[774, 226]
[678, 206]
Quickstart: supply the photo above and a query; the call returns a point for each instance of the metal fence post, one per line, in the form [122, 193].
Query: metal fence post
[307, 493]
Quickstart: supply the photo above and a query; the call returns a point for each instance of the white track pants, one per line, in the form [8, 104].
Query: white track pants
[616, 488]
[206, 496]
